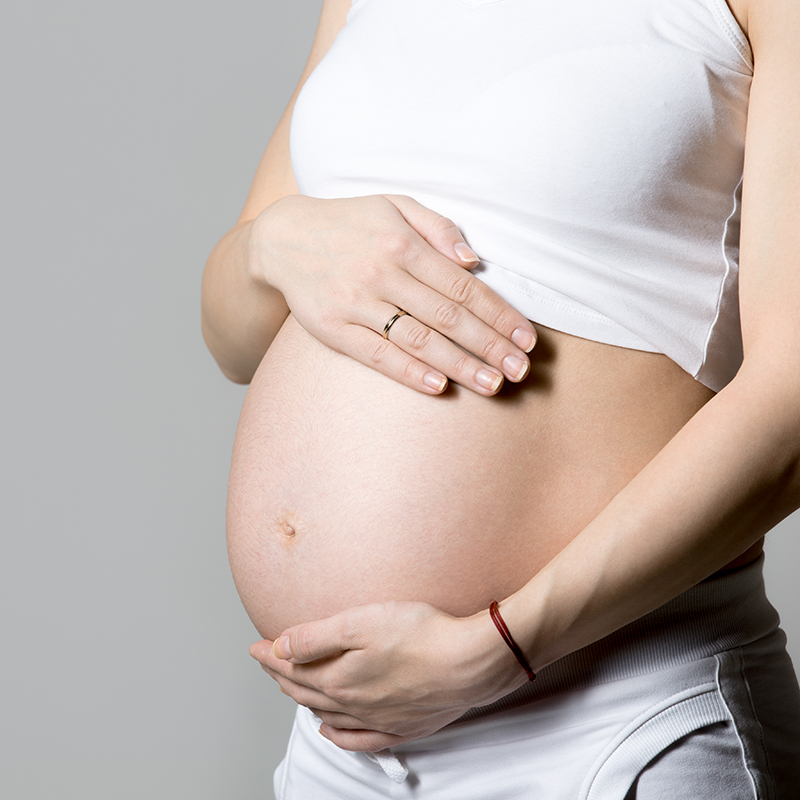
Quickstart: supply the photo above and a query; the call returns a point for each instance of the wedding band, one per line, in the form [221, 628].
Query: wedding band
[388, 326]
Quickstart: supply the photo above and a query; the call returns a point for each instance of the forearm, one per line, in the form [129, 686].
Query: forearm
[240, 316]
[728, 476]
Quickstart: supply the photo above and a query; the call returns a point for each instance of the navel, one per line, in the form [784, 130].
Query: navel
[287, 525]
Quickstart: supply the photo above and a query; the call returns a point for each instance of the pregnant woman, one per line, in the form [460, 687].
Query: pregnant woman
[516, 288]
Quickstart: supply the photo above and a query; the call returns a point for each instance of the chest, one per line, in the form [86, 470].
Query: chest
[564, 102]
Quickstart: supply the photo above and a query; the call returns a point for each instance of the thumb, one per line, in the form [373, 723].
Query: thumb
[438, 231]
[315, 640]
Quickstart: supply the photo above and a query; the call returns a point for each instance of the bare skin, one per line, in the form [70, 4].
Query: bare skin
[606, 483]
[348, 488]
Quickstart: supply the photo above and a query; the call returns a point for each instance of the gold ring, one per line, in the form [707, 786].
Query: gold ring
[388, 326]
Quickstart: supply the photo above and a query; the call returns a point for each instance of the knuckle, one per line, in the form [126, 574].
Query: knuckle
[491, 347]
[447, 316]
[463, 365]
[378, 351]
[500, 316]
[334, 691]
[330, 321]
[301, 643]
[368, 270]
[410, 372]
[292, 690]
[396, 244]
[348, 630]
[463, 288]
[418, 337]
[442, 224]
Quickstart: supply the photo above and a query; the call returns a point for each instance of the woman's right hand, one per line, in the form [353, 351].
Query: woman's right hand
[347, 266]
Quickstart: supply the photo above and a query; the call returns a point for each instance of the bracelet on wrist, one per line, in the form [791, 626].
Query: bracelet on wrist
[494, 612]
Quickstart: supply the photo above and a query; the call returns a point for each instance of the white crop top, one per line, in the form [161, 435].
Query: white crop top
[590, 152]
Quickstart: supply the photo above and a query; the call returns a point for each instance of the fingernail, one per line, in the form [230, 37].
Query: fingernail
[523, 339]
[281, 649]
[466, 253]
[515, 368]
[489, 379]
[434, 381]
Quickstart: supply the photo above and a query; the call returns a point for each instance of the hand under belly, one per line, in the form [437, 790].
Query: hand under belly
[348, 488]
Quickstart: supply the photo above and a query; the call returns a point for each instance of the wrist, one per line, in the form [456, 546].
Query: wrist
[508, 639]
[533, 619]
[257, 236]
[488, 665]
[261, 236]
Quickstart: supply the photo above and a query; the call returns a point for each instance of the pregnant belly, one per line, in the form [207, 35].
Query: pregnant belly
[348, 488]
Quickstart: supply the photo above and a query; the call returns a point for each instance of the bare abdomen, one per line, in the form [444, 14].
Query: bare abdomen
[348, 488]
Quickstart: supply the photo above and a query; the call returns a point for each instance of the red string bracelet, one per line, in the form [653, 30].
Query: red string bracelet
[494, 612]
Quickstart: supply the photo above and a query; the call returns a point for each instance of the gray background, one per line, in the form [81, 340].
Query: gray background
[130, 134]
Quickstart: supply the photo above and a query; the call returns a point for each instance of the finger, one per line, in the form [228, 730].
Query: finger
[318, 702]
[364, 741]
[296, 683]
[336, 719]
[365, 344]
[313, 641]
[261, 651]
[285, 672]
[428, 346]
[459, 326]
[469, 292]
[439, 231]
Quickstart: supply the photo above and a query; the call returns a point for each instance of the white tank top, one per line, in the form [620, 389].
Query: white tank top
[590, 152]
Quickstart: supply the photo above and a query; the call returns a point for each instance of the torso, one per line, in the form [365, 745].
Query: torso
[348, 488]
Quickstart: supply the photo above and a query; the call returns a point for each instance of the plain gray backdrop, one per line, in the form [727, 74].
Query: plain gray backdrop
[130, 133]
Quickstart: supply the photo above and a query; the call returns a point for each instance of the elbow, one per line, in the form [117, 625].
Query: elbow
[236, 376]
[234, 369]
[242, 378]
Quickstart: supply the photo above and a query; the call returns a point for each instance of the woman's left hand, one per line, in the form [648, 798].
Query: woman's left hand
[382, 674]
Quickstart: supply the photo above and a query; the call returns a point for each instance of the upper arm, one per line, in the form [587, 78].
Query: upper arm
[770, 235]
[274, 177]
